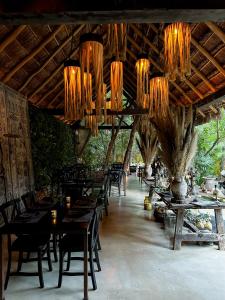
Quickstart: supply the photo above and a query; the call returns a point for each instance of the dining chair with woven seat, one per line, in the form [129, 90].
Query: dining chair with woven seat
[75, 243]
[24, 243]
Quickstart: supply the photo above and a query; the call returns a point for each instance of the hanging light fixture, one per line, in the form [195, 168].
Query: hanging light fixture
[142, 68]
[91, 58]
[87, 98]
[159, 96]
[177, 38]
[72, 83]
[117, 40]
[91, 122]
[116, 82]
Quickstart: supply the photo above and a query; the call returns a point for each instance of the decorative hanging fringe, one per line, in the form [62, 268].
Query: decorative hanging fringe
[87, 80]
[72, 84]
[177, 38]
[142, 68]
[116, 81]
[159, 97]
[91, 58]
[91, 122]
[117, 41]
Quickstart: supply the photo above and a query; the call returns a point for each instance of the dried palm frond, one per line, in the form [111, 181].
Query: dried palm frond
[148, 144]
[178, 139]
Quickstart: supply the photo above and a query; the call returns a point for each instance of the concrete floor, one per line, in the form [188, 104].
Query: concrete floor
[137, 262]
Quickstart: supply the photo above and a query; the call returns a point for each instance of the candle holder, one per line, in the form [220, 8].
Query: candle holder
[68, 202]
[54, 216]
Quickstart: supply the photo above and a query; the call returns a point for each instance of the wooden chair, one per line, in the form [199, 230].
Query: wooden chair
[115, 179]
[75, 243]
[24, 243]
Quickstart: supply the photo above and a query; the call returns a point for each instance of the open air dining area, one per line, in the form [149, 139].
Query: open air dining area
[112, 150]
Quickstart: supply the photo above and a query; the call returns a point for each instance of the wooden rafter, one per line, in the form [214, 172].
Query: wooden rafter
[31, 55]
[192, 87]
[208, 56]
[215, 29]
[195, 69]
[11, 37]
[28, 80]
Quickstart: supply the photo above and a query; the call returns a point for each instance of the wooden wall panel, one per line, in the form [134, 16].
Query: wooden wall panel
[16, 173]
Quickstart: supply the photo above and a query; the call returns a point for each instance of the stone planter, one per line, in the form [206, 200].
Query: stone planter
[179, 189]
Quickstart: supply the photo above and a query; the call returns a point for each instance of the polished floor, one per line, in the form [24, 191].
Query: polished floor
[137, 262]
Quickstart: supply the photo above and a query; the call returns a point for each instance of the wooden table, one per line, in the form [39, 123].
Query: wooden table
[196, 235]
[79, 226]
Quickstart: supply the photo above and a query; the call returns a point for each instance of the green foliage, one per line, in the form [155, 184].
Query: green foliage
[52, 147]
[210, 164]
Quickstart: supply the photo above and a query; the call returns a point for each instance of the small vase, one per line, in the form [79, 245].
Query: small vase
[179, 189]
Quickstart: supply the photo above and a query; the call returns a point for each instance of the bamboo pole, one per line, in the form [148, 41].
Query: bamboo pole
[11, 38]
[215, 29]
[208, 55]
[31, 55]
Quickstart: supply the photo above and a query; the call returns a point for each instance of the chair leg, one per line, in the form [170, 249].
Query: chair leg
[49, 257]
[97, 259]
[54, 242]
[61, 255]
[68, 261]
[119, 188]
[99, 247]
[28, 256]
[92, 270]
[40, 273]
[106, 206]
[20, 260]
[8, 270]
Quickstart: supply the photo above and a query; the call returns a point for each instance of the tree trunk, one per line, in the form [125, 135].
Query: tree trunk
[130, 144]
[112, 143]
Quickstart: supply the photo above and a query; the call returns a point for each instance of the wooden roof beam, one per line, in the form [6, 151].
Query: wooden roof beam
[213, 109]
[31, 55]
[198, 72]
[208, 56]
[11, 37]
[28, 80]
[215, 29]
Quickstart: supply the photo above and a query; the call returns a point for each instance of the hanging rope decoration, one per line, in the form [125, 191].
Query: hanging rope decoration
[117, 41]
[159, 97]
[91, 122]
[177, 38]
[142, 68]
[72, 85]
[116, 82]
[87, 80]
[91, 58]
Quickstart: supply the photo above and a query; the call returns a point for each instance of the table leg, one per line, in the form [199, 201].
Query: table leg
[86, 266]
[220, 227]
[2, 277]
[178, 229]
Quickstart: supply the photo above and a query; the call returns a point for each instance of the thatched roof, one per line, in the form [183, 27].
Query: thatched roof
[32, 56]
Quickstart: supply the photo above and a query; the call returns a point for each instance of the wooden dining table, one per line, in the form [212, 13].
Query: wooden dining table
[42, 223]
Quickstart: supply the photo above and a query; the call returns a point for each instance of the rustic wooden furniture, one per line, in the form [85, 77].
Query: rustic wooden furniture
[46, 226]
[196, 235]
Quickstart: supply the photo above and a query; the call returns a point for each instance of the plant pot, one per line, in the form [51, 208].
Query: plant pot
[179, 189]
[148, 171]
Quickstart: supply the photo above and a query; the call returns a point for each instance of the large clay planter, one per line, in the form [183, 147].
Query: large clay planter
[179, 189]
[148, 171]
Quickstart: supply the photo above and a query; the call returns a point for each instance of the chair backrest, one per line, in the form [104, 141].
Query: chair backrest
[29, 199]
[116, 176]
[8, 212]
[94, 228]
[20, 206]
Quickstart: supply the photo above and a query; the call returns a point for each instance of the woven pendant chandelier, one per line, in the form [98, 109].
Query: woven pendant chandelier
[91, 122]
[87, 81]
[142, 68]
[177, 38]
[116, 82]
[72, 84]
[117, 41]
[91, 59]
[158, 97]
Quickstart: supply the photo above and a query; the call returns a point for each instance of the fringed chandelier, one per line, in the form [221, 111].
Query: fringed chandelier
[142, 68]
[91, 59]
[116, 82]
[72, 83]
[87, 98]
[158, 97]
[91, 122]
[117, 41]
[177, 38]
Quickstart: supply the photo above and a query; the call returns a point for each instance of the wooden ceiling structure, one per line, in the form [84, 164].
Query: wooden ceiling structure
[36, 40]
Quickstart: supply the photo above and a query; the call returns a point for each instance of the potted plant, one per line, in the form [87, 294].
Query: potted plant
[178, 144]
